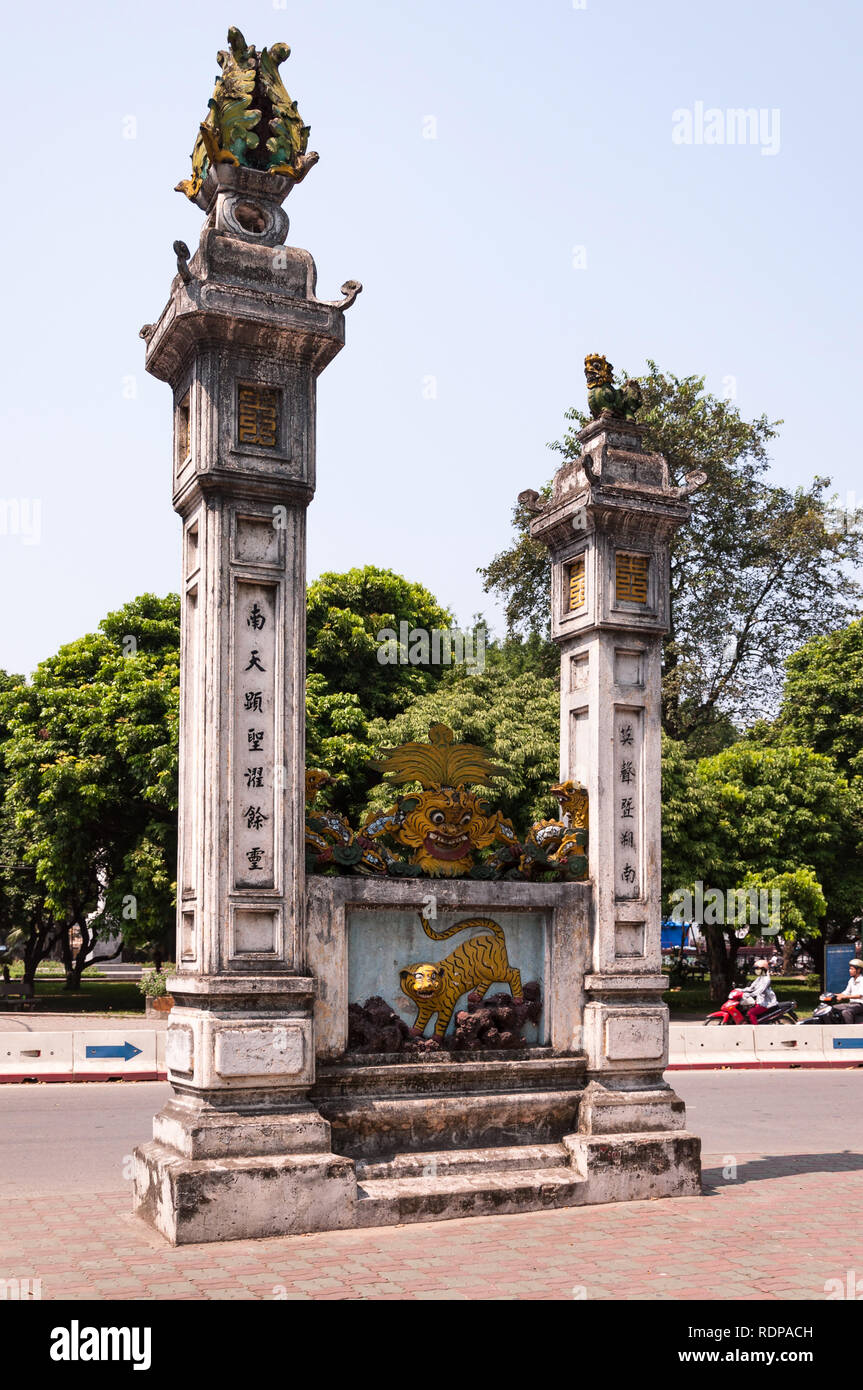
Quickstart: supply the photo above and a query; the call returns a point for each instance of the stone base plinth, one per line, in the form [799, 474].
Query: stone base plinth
[194, 1131]
[210, 1199]
[612, 1106]
[217, 1173]
[634, 1167]
[418, 1141]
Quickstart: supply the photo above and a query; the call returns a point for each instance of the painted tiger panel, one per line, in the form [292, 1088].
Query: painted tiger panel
[472, 967]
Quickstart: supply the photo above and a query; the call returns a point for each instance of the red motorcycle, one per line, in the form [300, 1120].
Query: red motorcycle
[736, 1010]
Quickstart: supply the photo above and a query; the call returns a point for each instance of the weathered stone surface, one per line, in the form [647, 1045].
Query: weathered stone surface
[614, 511]
[248, 1050]
[240, 1151]
[449, 1197]
[180, 1050]
[634, 1167]
[443, 1102]
[197, 1131]
[452, 1162]
[640, 1039]
[190, 1200]
[607, 1108]
[370, 1126]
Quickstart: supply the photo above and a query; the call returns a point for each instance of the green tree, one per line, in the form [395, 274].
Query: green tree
[822, 703]
[752, 816]
[757, 571]
[802, 904]
[344, 615]
[348, 685]
[27, 928]
[337, 741]
[515, 718]
[343, 739]
[91, 796]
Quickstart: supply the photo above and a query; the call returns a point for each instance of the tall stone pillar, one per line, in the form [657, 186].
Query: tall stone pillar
[608, 527]
[239, 1150]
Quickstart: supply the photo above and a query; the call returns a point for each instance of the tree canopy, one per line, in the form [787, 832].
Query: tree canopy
[344, 615]
[347, 685]
[822, 704]
[764, 818]
[91, 781]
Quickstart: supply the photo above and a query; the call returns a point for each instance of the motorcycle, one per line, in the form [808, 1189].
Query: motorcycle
[825, 1012]
[736, 1010]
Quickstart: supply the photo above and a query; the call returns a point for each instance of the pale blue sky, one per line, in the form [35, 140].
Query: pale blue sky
[554, 131]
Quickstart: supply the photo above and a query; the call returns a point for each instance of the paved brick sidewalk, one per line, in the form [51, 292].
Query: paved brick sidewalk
[90, 1247]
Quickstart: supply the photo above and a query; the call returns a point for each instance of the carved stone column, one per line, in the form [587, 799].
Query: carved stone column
[239, 1150]
[608, 527]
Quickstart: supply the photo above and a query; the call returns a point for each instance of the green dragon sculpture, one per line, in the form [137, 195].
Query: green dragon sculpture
[249, 93]
[602, 394]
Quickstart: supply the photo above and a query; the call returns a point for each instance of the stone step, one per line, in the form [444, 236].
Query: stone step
[495, 1192]
[446, 1162]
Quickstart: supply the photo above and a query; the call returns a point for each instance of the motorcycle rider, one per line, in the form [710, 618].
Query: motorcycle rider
[761, 992]
[849, 1004]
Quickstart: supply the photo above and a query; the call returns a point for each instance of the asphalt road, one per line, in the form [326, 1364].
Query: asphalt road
[75, 1138]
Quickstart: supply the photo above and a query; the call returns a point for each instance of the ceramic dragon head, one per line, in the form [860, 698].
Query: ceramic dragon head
[446, 823]
[445, 826]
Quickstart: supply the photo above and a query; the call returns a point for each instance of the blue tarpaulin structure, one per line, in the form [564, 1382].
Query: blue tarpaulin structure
[671, 933]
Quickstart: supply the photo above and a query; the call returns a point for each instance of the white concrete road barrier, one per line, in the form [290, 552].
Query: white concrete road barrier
[134, 1054]
[84, 1055]
[693, 1046]
[36, 1056]
[716, 1047]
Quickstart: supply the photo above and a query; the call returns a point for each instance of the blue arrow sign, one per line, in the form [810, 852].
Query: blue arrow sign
[124, 1050]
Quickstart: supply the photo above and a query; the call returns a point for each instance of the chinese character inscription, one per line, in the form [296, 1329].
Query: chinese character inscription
[627, 803]
[253, 832]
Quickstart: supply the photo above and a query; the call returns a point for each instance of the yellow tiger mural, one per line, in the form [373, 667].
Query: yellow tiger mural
[474, 966]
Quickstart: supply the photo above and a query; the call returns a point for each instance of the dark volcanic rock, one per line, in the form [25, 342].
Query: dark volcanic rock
[491, 1024]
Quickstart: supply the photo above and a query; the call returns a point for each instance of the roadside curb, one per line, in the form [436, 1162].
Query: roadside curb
[765, 1066]
[31, 1078]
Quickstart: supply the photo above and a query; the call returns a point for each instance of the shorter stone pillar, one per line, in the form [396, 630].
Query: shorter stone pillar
[608, 526]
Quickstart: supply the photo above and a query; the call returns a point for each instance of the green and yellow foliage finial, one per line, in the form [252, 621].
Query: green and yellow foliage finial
[250, 85]
[439, 763]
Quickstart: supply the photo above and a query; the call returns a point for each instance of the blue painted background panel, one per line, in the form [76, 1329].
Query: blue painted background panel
[382, 943]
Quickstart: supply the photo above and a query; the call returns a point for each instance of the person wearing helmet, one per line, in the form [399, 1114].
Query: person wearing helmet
[849, 1004]
[760, 992]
